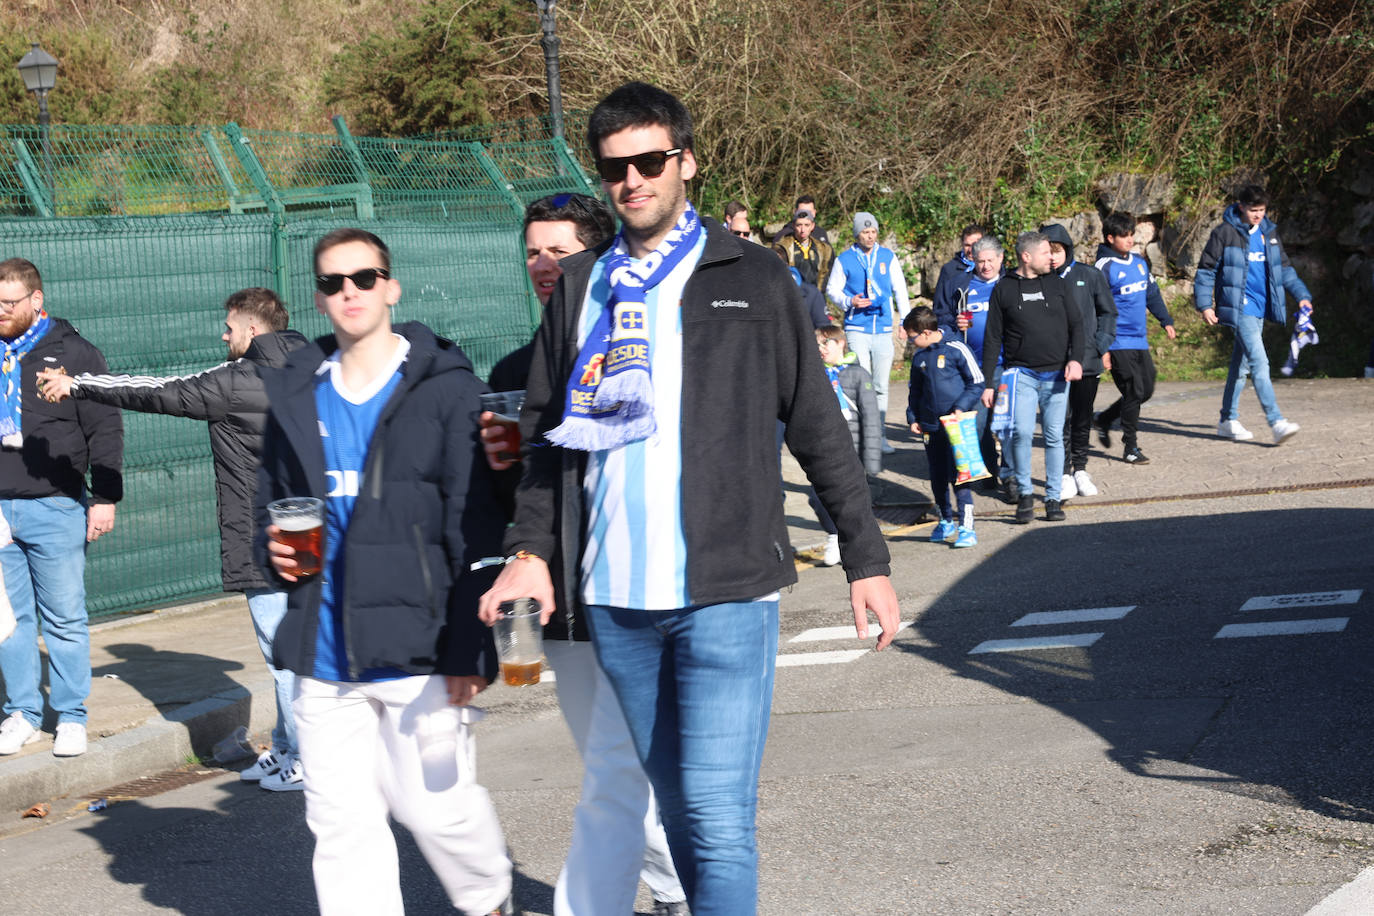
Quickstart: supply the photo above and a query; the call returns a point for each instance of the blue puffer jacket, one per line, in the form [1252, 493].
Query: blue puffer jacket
[1225, 262]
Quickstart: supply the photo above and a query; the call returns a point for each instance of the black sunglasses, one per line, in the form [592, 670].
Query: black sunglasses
[741, 233]
[329, 284]
[650, 165]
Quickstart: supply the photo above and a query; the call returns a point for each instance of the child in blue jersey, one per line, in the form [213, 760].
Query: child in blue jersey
[381, 423]
[1133, 370]
[945, 379]
[854, 387]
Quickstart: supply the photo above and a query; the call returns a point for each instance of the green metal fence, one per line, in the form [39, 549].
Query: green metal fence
[142, 232]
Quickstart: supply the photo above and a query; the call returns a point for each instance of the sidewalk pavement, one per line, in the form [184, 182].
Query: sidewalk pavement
[169, 684]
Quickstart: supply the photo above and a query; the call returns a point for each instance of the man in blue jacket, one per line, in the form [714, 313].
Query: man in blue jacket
[1245, 262]
[381, 424]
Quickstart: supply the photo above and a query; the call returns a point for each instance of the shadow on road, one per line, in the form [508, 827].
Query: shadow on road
[248, 852]
[1284, 718]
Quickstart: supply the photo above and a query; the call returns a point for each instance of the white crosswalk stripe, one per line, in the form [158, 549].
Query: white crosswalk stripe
[1065, 641]
[1283, 627]
[837, 657]
[1043, 618]
[1306, 599]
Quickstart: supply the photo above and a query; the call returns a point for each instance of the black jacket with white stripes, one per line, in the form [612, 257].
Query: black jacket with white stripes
[232, 399]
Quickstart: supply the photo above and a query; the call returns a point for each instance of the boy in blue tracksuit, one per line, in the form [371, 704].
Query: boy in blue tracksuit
[945, 378]
[1133, 370]
[1242, 278]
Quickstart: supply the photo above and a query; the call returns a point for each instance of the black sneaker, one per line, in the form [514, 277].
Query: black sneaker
[1053, 511]
[1104, 431]
[1025, 510]
[1006, 489]
[1134, 455]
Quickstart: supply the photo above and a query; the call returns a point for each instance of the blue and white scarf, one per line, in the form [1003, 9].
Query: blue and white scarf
[1303, 334]
[1004, 407]
[12, 366]
[610, 398]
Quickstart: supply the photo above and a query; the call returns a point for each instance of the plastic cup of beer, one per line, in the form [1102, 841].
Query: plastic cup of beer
[505, 407]
[301, 520]
[519, 642]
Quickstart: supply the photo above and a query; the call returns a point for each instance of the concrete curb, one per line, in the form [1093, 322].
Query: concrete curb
[161, 743]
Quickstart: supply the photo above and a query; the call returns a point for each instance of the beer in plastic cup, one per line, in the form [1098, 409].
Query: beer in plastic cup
[519, 642]
[301, 520]
[505, 405]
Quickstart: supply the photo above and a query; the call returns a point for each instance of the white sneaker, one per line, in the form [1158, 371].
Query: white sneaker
[287, 779]
[1283, 429]
[1068, 489]
[1231, 429]
[266, 764]
[70, 740]
[888, 447]
[15, 732]
[832, 550]
[1084, 483]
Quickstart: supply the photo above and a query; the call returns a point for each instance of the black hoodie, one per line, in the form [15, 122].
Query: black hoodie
[1089, 290]
[1033, 324]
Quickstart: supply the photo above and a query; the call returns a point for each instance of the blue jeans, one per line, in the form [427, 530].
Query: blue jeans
[696, 686]
[1047, 393]
[1248, 357]
[44, 575]
[267, 607]
[874, 352]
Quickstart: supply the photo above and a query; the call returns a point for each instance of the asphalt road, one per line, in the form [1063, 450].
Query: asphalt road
[1162, 765]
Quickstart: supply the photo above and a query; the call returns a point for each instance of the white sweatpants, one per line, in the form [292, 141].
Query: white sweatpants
[360, 747]
[617, 836]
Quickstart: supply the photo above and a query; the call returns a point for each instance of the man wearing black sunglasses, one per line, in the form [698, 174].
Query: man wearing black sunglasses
[654, 510]
[379, 422]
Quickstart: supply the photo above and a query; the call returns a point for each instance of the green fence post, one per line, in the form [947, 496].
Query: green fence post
[207, 138]
[258, 175]
[28, 174]
[494, 175]
[355, 159]
[568, 164]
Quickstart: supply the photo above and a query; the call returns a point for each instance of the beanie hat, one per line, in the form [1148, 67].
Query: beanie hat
[864, 220]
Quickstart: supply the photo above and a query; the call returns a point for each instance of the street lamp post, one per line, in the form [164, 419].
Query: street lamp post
[38, 69]
[550, 43]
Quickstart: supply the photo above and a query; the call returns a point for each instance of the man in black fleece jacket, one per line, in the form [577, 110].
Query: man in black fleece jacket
[1034, 324]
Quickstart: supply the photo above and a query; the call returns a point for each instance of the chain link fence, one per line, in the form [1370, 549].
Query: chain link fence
[141, 233]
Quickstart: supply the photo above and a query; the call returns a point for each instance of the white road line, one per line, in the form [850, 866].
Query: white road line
[1283, 627]
[824, 633]
[838, 657]
[1067, 641]
[1307, 599]
[1092, 613]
